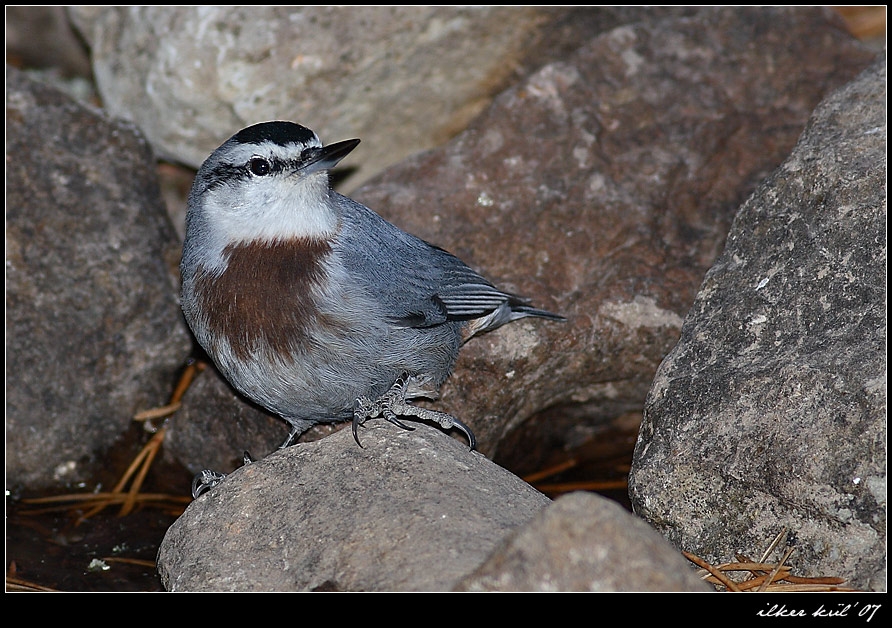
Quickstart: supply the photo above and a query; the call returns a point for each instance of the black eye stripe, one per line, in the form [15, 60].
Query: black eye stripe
[259, 166]
[231, 173]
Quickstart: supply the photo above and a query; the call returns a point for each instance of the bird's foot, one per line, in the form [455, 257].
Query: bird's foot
[394, 403]
[204, 481]
[207, 479]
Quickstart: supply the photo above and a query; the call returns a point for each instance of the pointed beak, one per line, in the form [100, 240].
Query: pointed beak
[326, 157]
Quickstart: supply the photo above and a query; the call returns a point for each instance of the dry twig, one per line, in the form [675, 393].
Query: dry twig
[138, 469]
[764, 576]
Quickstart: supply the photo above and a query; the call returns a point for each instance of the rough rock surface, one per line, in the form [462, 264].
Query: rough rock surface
[93, 330]
[408, 511]
[771, 411]
[584, 542]
[603, 187]
[403, 78]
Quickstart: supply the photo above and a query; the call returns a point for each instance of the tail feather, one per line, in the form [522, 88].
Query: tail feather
[509, 311]
[522, 311]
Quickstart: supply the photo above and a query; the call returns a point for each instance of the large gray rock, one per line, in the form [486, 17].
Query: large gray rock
[93, 329]
[43, 37]
[603, 187]
[584, 542]
[403, 78]
[771, 411]
[409, 511]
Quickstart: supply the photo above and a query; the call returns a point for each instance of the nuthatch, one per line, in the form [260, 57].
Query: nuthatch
[311, 304]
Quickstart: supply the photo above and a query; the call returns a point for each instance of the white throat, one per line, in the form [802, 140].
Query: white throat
[279, 207]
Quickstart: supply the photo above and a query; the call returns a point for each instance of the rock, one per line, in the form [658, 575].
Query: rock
[403, 79]
[42, 37]
[584, 542]
[603, 187]
[409, 511]
[770, 413]
[94, 333]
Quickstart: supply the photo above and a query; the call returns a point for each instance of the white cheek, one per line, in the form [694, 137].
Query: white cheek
[271, 209]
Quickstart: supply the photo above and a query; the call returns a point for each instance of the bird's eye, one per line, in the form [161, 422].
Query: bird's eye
[259, 167]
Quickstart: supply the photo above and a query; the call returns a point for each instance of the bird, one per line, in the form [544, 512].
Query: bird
[314, 306]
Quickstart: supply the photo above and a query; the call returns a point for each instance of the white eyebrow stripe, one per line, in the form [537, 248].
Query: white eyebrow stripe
[242, 153]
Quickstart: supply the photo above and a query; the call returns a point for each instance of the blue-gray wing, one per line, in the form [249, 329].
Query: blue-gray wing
[418, 284]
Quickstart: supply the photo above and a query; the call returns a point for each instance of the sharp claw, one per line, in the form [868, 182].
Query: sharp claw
[394, 403]
[472, 441]
[356, 423]
[205, 481]
[391, 417]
